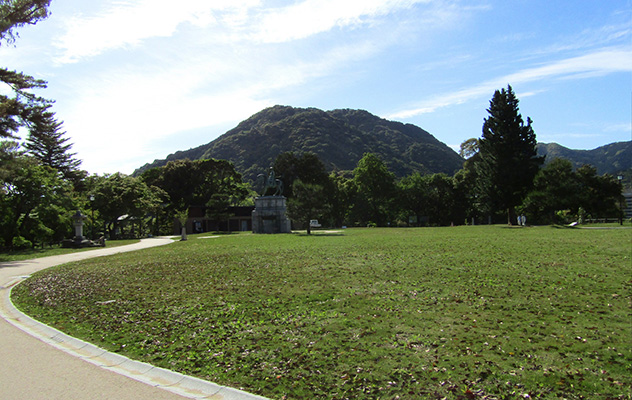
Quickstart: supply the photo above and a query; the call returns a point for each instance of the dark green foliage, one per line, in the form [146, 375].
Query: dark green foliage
[307, 167]
[193, 183]
[20, 109]
[34, 202]
[557, 188]
[119, 195]
[598, 194]
[309, 202]
[508, 159]
[211, 184]
[17, 13]
[431, 199]
[375, 192]
[339, 138]
[342, 194]
[46, 142]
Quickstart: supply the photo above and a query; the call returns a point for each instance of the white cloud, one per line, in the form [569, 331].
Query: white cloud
[625, 127]
[311, 17]
[126, 23]
[598, 63]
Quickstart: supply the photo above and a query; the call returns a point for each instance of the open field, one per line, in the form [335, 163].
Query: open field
[56, 250]
[463, 312]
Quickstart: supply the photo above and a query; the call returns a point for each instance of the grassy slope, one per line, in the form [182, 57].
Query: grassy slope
[368, 313]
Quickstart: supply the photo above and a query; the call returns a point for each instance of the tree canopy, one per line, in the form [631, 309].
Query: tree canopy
[375, 185]
[508, 157]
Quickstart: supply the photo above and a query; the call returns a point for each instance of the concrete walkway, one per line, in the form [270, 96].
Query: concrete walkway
[39, 362]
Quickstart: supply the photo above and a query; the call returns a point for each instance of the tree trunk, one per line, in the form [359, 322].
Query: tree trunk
[511, 216]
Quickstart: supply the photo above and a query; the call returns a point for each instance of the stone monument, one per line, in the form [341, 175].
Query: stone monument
[269, 215]
[79, 241]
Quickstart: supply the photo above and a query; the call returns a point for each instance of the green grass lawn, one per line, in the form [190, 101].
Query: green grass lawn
[463, 312]
[28, 254]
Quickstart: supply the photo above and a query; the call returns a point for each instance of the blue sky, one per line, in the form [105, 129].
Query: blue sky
[136, 80]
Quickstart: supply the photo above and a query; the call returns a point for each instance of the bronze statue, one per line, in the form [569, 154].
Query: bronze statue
[272, 186]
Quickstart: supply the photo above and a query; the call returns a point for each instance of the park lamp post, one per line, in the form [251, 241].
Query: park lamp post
[92, 208]
[620, 179]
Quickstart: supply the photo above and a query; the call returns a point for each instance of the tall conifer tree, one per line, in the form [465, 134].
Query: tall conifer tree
[508, 156]
[46, 142]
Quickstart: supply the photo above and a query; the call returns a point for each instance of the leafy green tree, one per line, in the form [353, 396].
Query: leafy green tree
[118, 195]
[465, 200]
[189, 183]
[375, 191]
[341, 199]
[307, 167]
[412, 197]
[430, 196]
[555, 187]
[599, 195]
[33, 201]
[508, 159]
[309, 202]
[468, 148]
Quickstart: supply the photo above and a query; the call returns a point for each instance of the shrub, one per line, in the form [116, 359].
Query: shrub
[20, 243]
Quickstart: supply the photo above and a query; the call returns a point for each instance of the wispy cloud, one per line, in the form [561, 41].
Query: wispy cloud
[312, 17]
[127, 23]
[624, 127]
[598, 63]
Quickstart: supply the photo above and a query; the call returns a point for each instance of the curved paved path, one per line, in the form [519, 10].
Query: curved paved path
[47, 364]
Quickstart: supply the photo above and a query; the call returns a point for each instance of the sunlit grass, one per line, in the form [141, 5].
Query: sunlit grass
[461, 312]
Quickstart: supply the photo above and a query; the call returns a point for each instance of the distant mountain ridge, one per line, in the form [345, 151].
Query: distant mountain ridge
[612, 158]
[339, 138]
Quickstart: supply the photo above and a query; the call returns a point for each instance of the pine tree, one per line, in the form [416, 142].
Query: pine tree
[46, 142]
[16, 111]
[508, 156]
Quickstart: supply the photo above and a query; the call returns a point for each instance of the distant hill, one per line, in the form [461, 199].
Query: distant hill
[340, 138]
[612, 158]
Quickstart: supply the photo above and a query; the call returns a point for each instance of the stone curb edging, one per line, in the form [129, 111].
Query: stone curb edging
[182, 385]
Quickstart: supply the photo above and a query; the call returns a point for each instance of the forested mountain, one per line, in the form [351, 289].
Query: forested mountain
[612, 158]
[339, 138]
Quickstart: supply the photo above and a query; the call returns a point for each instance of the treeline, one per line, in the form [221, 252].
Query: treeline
[372, 196]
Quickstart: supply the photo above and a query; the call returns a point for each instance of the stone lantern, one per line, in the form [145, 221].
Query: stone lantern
[79, 240]
[78, 220]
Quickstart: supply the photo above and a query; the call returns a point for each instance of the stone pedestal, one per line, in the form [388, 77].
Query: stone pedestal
[269, 215]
